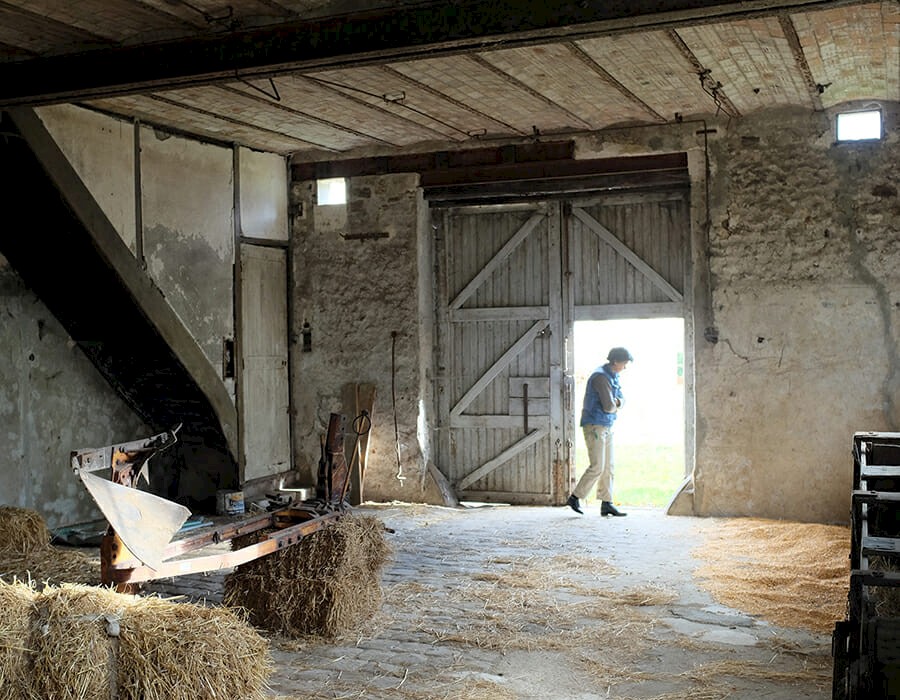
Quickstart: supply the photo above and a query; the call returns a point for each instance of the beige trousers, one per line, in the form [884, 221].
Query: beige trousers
[598, 439]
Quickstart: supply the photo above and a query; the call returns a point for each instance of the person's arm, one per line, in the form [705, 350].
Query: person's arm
[601, 385]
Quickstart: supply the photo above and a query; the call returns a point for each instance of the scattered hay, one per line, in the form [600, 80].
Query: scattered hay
[545, 572]
[84, 643]
[791, 574]
[22, 531]
[498, 617]
[327, 584]
[607, 675]
[695, 694]
[436, 689]
[481, 689]
[819, 674]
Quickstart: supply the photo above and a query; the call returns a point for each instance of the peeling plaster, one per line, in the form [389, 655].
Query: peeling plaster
[52, 401]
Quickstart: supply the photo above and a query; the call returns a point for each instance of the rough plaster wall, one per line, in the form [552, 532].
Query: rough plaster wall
[355, 294]
[52, 401]
[188, 216]
[805, 304]
[263, 191]
[101, 149]
[795, 309]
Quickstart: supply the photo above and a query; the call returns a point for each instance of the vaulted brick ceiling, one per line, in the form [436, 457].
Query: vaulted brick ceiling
[326, 78]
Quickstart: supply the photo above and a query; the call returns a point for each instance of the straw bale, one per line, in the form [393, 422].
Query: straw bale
[27, 555]
[184, 651]
[17, 604]
[85, 642]
[51, 565]
[22, 530]
[72, 648]
[791, 574]
[326, 584]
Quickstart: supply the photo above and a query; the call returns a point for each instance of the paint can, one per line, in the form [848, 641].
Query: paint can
[229, 502]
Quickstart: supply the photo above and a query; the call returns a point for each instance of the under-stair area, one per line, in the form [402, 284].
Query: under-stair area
[57, 239]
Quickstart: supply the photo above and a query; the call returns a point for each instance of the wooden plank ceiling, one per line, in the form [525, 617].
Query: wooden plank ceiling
[327, 79]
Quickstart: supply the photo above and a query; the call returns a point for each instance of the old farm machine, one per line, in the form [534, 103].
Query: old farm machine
[141, 542]
[866, 645]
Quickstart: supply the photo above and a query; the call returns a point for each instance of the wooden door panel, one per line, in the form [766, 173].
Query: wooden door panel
[499, 287]
[264, 386]
[628, 255]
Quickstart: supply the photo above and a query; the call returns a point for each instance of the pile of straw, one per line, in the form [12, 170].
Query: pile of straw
[86, 643]
[22, 531]
[327, 584]
[791, 574]
[27, 555]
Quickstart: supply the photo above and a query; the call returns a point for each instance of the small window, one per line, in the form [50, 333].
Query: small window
[331, 191]
[859, 126]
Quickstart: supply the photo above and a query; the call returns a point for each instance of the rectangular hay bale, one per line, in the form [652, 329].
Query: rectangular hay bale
[326, 584]
[91, 643]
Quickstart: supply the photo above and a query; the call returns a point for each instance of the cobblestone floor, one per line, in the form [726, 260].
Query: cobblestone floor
[505, 603]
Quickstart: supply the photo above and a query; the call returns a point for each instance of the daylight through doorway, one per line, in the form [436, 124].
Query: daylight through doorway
[650, 430]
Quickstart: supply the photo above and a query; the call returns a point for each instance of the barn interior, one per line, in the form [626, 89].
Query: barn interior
[245, 218]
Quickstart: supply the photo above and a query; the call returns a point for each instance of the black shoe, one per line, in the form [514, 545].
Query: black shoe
[574, 504]
[607, 508]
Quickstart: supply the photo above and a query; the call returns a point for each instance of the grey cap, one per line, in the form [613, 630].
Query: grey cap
[619, 355]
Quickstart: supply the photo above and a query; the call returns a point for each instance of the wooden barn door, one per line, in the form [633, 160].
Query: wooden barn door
[500, 352]
[628, 255]
[628, 259]
[512, 280]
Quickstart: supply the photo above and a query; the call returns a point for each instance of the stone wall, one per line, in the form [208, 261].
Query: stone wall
[356, 270]
[791, 314]
[804, 304]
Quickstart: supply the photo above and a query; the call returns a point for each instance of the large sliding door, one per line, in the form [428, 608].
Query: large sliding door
[500, 352]
[628, 255]
[512, 280]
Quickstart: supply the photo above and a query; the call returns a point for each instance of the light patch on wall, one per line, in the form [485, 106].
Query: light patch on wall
[859, 126]
[332, 190]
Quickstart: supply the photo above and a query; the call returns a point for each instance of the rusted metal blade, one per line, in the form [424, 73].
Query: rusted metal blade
[145, 523]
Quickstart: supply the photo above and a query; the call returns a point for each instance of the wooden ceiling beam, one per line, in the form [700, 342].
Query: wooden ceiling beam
[396, 33]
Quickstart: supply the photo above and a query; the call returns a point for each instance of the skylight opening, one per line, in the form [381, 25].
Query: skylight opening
[859, 126]
[331, 190]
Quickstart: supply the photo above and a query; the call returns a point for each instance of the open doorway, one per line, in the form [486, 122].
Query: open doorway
[650, 430]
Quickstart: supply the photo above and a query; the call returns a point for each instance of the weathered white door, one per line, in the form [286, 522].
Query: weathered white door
[264, 390]
[628, 258]
[512, 280]
[500, 352]
[628, 255]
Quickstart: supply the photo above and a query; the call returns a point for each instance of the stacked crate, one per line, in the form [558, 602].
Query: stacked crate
[866, 646]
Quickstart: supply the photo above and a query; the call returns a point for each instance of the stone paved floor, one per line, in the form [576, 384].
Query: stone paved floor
[503, 602]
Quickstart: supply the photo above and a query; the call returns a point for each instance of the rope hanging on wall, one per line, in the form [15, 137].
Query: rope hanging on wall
[400, 476]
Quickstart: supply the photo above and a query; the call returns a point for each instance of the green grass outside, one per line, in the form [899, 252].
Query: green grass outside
[646, 475]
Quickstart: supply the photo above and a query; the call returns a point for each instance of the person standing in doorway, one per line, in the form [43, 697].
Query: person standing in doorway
[602, 401]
